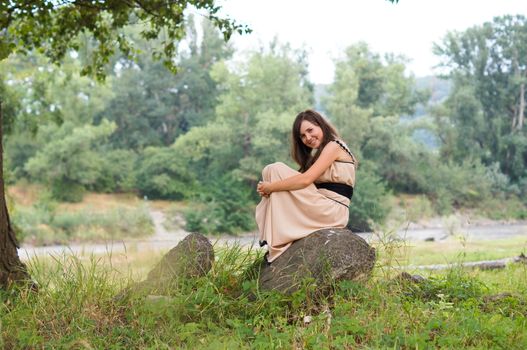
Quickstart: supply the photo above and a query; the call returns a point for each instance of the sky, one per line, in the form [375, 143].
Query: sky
[326, 28]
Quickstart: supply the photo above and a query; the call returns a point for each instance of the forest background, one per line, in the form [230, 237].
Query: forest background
[201, 137]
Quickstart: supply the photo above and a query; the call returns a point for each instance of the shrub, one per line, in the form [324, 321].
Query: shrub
[117, 171]
[69, 162]
[227, 208]
[67, 191]
[420, 207]
[522, 188]
[161, 174]
[18, 150]
[370, 200]
[502, 207]
[452, 185]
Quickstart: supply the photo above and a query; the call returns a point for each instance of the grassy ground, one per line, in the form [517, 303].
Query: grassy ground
[75, 308]
[452, 250]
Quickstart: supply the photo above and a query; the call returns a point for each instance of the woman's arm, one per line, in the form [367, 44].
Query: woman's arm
[329, 154]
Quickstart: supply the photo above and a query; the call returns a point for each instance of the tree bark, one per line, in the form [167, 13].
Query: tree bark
[12, 270]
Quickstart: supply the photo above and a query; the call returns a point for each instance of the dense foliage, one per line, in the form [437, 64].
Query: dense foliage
[204, 134]
[484, 116]
[55, 27]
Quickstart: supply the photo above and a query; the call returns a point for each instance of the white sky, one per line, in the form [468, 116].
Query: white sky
[326, 27]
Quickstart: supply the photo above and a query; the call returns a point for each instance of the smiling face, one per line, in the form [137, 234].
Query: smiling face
[311, 134]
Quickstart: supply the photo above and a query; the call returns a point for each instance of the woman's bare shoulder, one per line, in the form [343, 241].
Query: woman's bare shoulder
[345, 154]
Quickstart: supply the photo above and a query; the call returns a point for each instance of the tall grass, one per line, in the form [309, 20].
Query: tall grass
[76, 309]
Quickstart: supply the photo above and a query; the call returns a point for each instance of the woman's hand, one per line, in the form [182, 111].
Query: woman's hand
[263, 189]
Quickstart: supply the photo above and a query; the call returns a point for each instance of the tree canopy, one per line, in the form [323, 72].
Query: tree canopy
[54, 27]
[484, 116]
[97, 28]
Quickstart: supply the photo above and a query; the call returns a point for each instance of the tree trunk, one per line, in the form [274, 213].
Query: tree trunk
[11, 268]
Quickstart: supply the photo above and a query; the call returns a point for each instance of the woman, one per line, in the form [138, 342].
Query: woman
[296, 203]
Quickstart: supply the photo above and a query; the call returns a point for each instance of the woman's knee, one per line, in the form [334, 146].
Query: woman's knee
[270, 169]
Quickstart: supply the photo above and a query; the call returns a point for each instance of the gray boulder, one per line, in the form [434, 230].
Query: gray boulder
[192, 257]
[326, 255]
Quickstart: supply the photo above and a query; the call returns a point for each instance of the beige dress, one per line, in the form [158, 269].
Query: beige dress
[286, 216]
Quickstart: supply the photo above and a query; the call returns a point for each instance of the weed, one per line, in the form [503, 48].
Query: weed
[454, 286]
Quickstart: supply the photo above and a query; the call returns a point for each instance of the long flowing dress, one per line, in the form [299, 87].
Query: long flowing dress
[287, 216]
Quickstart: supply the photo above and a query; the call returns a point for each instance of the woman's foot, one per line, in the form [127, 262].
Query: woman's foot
[266, 255]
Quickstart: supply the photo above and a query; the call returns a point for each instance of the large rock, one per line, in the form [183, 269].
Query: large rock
[327, 255]
[192, 257]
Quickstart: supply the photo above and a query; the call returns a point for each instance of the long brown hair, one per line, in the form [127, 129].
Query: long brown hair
[301, 153]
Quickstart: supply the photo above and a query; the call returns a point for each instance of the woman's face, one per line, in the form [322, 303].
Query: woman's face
[311, 134]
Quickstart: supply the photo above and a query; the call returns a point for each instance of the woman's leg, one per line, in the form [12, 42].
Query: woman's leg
[272, 172]
[277, 171]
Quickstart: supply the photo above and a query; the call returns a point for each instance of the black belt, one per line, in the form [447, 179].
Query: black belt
[342, 189]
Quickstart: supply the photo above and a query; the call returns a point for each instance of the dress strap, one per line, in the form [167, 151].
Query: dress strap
[345, 148]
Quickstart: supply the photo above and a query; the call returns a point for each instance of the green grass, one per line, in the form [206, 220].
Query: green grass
[451, 250]
[75, 309]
